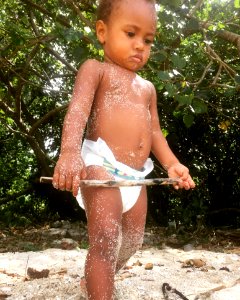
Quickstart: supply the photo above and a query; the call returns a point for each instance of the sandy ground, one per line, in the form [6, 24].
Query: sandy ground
[47, 262]
[193, 273]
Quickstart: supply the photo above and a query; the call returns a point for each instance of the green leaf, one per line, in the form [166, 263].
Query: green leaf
[199, 106]
[237, 3]
[188, 120]
[80, 53]
[178, 62]
[221, 25]
[160, 56]
[184, 99]
[175, 3]
[171, 89]
[177, 114]
[164, 75]
[71, 35]
[9, 121]
[193, 24]
[159, 86]
[165, 132]
[172, 3]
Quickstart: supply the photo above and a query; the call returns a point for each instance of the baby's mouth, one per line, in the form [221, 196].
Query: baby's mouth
[137, 58]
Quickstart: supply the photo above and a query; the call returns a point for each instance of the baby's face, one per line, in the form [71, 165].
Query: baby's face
[129, 33]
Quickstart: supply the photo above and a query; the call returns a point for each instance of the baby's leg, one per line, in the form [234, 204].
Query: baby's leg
[133, 225]
[104, 214]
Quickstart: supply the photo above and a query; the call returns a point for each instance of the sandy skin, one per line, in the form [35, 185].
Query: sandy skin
[119, 106]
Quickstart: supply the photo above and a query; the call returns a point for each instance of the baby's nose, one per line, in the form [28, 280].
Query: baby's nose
[139, 44]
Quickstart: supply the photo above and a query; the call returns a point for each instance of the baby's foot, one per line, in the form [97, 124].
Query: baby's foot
[83, 287]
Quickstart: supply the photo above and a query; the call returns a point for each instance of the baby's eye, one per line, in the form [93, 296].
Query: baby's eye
[148, 42]
[130, 34]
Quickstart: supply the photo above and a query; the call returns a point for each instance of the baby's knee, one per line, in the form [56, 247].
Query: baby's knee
[107, 241]
[132, 242]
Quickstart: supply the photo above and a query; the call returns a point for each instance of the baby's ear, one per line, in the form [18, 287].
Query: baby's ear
[101, 30]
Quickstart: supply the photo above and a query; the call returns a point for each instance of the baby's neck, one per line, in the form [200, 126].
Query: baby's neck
[111, 62]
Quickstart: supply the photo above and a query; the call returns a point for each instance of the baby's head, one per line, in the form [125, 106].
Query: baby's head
[105, 8]
[126, 29]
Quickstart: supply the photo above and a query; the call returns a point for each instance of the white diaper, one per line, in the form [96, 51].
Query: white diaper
[99, 154]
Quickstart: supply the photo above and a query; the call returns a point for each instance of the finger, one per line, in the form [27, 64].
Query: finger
[176, 187]
[75, 185]
[186, 185]
[192, 184]
[189, 184]
[183, 185]
[62, 182]
[55, 179]
[178, 184]
[68, 183]
[83, 173]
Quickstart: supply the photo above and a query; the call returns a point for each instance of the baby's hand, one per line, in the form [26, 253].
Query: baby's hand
[182, 172]
[69, 170]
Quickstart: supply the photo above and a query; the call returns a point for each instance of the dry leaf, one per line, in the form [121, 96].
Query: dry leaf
[149, 266]
[137, 264]
[35, 274]
[195, 262]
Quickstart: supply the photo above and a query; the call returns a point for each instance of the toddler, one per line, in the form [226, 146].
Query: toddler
[117, 110]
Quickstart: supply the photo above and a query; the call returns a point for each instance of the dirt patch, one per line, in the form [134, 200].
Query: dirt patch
[197, 270]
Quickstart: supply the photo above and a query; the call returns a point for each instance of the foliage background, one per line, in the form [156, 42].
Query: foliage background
[195, 66]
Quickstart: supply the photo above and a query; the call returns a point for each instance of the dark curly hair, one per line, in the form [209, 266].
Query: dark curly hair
[105, 8]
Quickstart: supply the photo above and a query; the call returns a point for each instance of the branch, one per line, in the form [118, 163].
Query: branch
[36, 31]
[20, 85]
[26, 81]
[214, 56]
[225, 86]
[197, 83]
[195, 8]
[45, 118]
[61, 19]
[30, 57]
[226, 35]
[8, 111]
[8, 65]
[73, 5]
[60, 58]
[31, 42]
[41, 156]
[217, 75]
[27, 136]
[5, 80]
[233, 25]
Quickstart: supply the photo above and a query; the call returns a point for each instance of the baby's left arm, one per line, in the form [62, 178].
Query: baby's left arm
[164, 154]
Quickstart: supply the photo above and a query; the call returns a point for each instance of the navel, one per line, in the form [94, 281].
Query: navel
[141, 145]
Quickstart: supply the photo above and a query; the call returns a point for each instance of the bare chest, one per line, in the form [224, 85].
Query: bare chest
[123, 90]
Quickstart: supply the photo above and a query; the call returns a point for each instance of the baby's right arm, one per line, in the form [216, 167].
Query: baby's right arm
[70, 167]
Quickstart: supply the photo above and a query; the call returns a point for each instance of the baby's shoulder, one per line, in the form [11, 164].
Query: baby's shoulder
[91, 65]
[148, 85]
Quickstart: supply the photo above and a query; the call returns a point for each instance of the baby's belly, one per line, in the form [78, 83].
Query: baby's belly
[129, 137]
